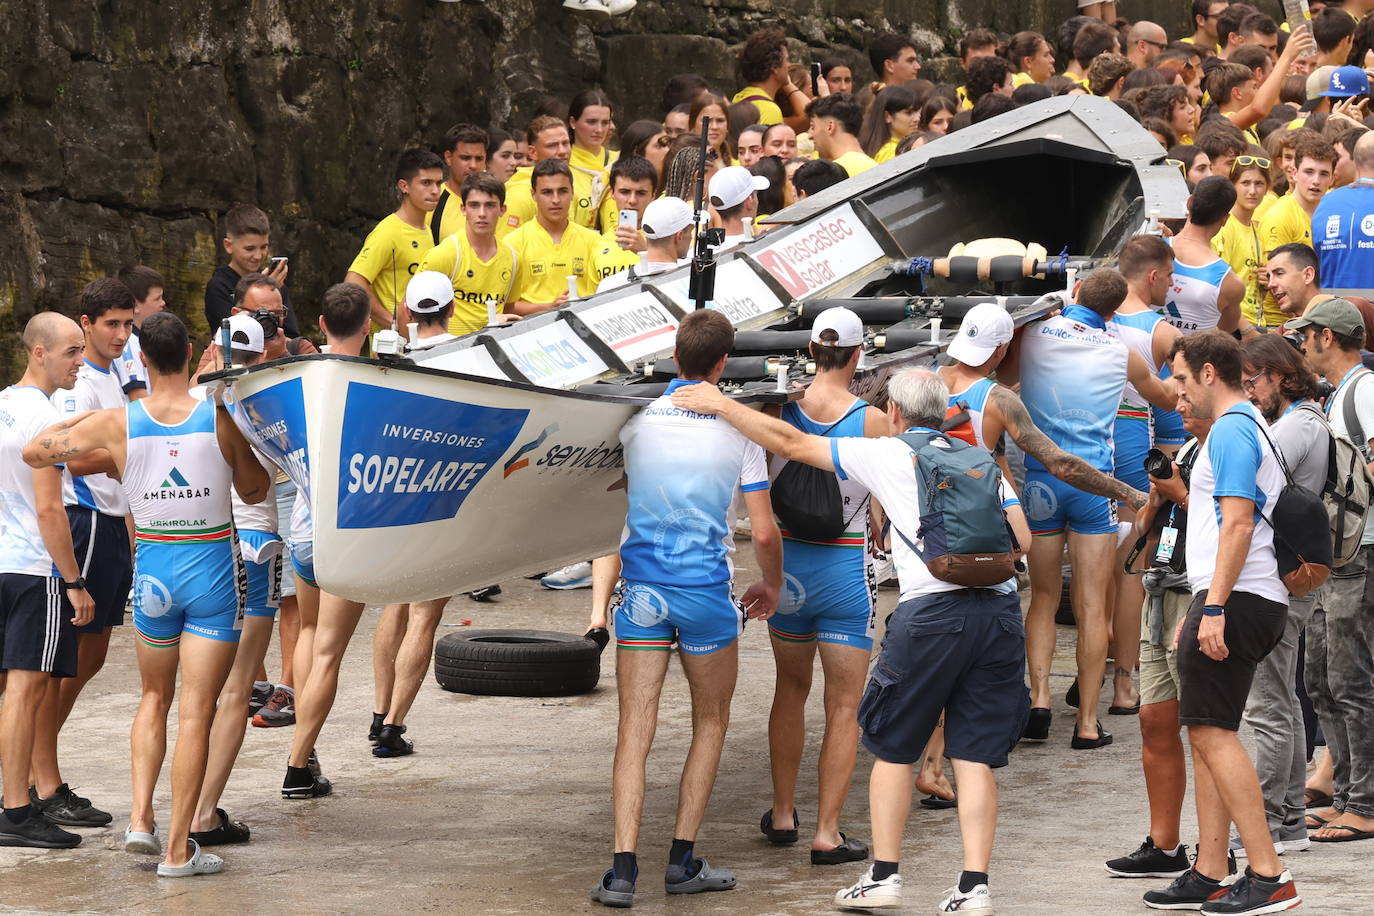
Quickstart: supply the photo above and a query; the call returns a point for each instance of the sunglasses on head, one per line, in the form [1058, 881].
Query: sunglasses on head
[1178, 164]
[1244, 162]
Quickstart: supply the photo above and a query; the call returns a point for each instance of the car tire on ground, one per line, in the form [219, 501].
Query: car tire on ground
[517, 663]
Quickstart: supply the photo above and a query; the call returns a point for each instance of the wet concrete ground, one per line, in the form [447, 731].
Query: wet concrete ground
[505, 808]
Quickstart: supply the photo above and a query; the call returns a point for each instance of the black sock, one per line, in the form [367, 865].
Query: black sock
[626, 866]
[18, 815]
[883, 870]
[681, 854]
[299, 776]
[968, 880]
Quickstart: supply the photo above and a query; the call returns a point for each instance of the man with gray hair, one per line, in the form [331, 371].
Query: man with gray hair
[948, 647]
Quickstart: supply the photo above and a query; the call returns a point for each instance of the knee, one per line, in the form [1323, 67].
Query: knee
[1159, 724]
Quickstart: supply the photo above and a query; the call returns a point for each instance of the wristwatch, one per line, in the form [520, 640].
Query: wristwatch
[78, 583]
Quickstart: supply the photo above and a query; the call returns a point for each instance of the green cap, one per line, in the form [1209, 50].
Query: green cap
[1340, 315]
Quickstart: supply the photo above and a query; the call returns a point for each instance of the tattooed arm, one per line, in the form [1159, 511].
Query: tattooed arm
[1071, 469]
[78, 439]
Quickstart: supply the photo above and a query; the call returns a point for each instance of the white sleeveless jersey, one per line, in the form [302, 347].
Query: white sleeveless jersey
[96, 389]
[176, 478]
[1137, 331]
[1193, 297]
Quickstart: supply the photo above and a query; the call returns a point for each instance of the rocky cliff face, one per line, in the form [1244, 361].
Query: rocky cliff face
[128, 128]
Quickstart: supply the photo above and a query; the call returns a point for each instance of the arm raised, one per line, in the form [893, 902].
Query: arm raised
[777, 437]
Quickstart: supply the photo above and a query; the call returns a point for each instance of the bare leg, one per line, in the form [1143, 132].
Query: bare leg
[205, 664]
[44, 774]
[1126, 611]
[1046, 559]
[231, 719]
[148, 738]
[24, 694]
[930, 779]
[712, 679]
[846, 669]
[91, 649]
[889, 801]
[315, 698]
[288, 629]
[308, 611]
[977, 812]
[1166, 771]
[605, 572]
[386, 642]
[1232, 796]
[794, 663]
[412, 661]
[639, 681]
[1091, 558]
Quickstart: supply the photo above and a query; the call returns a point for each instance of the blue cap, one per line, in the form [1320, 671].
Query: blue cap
[1347, 81]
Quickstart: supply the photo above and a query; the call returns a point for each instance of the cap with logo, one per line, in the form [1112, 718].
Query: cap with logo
[985, 327]
[245, 333]
[1347, 81]
[666, 217]
[1317, 82]
[732, 185]
[428, 291]
[849, 330]
[1340, 315]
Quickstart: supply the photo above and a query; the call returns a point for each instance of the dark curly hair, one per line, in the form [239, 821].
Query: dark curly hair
[761, 55]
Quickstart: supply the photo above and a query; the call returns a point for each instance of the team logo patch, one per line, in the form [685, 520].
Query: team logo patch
[682, 539]
[644, 606]
[1040, 500]
[793, 597]
[153, 598]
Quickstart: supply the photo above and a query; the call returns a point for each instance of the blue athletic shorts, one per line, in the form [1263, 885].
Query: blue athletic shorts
[828, 594]
[303, 561]
[188, 588]
[263, 597]
[1053, 507]
[702, 619]
[963, 653]
[1131, 441]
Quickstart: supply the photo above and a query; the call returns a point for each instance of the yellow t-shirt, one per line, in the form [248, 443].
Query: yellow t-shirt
[855, 162]
[1021, 79]
[769, 112]
[519, 202]
[961, 92]
[1249, 132]
[542, 267]
[887, 150]
[1267, 201]
[1080, 80]
[591, 185]
[474, 280]
[1239, 245]
[450, 210]
[390, 256]
[1286, 221]
[1189, 41]
[611, 259]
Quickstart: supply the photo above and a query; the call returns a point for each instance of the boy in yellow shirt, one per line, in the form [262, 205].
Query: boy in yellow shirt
[481, 267]
[550, 248]
[1290, 219]
[545, 138]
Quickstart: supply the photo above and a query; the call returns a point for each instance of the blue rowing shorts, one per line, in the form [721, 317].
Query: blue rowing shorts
[701, 618]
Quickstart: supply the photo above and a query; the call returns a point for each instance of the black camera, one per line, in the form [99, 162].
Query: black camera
[1159, 465]
[268, 320]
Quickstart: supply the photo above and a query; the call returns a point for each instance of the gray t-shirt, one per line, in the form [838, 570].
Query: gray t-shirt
[1364, 412]
[1306, 446]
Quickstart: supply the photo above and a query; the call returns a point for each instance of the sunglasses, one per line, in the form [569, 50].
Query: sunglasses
[1244, 162]
[1178, 164]
[1158, 44]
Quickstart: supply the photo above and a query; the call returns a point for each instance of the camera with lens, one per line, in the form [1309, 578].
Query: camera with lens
[1161, 467]
[268, 320]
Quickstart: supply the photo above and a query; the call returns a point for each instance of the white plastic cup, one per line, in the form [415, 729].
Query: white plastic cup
[491, 312]
[572, 287]
[935, 330]
[413, 332]
[782, 376]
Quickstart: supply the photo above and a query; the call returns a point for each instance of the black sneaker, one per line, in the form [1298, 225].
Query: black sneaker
[311, 786]
[1189, 891]
[390, 742]
[1149, 861]
[1252, 895]
[67, 808]
[36, 832]
[378, 718]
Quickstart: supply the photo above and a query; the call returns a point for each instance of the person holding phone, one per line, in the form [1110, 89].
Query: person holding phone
[632, 187]
[247, 241]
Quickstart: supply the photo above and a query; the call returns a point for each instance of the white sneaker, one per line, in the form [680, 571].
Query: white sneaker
[977, 900]
[578, 575]
[1237, 848]
[867, 894]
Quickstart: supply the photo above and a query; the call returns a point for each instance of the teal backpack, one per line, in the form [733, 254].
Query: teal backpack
[964, 536]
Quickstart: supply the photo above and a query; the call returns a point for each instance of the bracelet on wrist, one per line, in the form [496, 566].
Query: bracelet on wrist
[1213, 610]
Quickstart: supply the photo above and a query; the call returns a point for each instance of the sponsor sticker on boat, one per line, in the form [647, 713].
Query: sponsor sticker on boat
[823, 252]
[740, 293]
[553, 356]
[274, 420]
[633, 327]
[410, 458]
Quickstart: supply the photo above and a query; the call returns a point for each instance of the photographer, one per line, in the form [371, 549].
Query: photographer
[260, 296]
[1167, 597]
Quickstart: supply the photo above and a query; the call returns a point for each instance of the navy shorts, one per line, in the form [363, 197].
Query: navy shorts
[36, 632]
[102, 548]
[961, 653]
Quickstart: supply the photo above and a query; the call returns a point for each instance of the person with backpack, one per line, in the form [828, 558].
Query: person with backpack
[1279, 382]
[1238, 614]
[955, 642]
[1339, 669]
[828, 603]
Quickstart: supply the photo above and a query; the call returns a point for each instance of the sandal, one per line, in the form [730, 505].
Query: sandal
[225, 832]
[1316, 798]
[779, 837]
[1313, 822]
[706, 879]
[200, 863]
[936, 803]
[848, 851]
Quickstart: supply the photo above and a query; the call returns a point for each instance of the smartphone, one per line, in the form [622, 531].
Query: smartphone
[815, 76]
[273, 263]
[629, 219]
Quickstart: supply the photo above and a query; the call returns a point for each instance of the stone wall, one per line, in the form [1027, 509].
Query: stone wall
[127, 129]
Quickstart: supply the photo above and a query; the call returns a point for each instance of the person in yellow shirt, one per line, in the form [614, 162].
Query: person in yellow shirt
[550, 249]
[632, 187]
[1233, 87]
[1238, 241]
[1205, 16]
[1290, 220]
[395, 247]
[835, 124]
[1092, 40]
[482, 269]
[976, 43]
[590, 118]
[1031, 56]
[986, 75]
[545, 138]
[708, 105]
[762, 64]
[891, 117]
[465, 152]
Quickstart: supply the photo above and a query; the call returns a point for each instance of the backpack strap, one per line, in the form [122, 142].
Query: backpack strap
[437, 220]
[1351, 417]
[1272, 448]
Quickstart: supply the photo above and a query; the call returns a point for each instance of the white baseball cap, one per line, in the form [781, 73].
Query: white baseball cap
[849, 330]
[666, 217]
[245, 333]
[732, 185]
[985, 327]
[428, 291]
